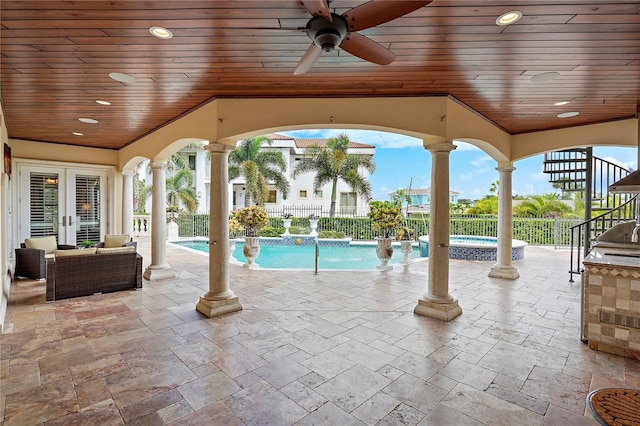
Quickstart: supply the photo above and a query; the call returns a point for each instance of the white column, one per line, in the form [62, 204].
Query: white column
[159, 268]
[503, 267]
[219, 299]
[437, 302]
[127, 202]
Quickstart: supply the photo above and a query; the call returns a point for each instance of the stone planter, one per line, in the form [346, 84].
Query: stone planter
[251, 250]
[287, 225]
[384, 250]
[313, 223]
[407, 248]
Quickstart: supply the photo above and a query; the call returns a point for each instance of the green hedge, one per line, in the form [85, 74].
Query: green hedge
[536, 231]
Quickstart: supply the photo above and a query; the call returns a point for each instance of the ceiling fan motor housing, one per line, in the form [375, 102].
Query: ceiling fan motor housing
[327, 35]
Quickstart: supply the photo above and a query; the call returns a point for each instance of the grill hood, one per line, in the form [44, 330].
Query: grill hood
[628, 184]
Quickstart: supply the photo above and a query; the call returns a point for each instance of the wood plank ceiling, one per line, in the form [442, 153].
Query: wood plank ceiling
[56, 57]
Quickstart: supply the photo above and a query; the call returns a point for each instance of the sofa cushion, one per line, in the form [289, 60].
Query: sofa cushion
[116, 249]
[81, 252]
[48, 244]
[116, 240]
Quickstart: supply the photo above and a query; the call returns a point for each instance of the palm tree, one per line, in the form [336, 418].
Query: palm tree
[258, 167]
[547, 205]
[181, 191]
[334, 163]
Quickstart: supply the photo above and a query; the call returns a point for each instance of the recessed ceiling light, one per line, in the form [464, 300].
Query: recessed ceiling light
[560, 103]
[160, 32]
[568, 114]
[509, 18]
[77, 134]
[122, 78]
[101, 102]
[545, 76]
[88, 120]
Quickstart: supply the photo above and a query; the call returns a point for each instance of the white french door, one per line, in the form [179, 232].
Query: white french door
[66, 202]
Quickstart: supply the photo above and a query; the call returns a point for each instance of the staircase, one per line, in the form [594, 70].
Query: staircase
[577, 170]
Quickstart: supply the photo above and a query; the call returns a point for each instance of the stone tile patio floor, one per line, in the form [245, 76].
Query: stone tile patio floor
[339, 348]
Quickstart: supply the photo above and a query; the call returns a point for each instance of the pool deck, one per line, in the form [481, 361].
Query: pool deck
[334, 348]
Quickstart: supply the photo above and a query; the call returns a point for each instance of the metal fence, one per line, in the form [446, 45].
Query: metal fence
[534, 230]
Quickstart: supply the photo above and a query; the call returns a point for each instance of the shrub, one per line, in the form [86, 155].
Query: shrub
[298, 230]
[270, 231]
[331, 234]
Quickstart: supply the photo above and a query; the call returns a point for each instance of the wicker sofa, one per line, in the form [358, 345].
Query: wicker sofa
[87, 272]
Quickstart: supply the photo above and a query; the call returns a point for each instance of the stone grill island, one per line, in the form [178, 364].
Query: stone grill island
[611, 293]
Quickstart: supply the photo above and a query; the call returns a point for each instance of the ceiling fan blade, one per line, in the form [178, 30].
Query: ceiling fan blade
[376, 12]
[367, 49]
[318, 8]
[308, 59]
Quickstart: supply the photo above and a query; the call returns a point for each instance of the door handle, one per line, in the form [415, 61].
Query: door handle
[64, 221]
[70, 220]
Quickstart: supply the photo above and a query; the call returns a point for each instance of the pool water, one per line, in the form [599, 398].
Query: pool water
[354, 257]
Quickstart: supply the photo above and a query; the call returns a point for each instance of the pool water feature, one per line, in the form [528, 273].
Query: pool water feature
[355, 256]
[474, 247]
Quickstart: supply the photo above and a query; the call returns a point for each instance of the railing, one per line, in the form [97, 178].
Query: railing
[142, 224]
[534, 230]
[583, 234]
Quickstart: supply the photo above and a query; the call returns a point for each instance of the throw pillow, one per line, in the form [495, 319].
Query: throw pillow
[115, 240]
[48, 244]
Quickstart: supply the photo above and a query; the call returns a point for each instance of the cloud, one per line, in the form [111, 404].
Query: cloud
[465, 177]
[481, 161]
[371, 137]
[629, 165]
[542, 176]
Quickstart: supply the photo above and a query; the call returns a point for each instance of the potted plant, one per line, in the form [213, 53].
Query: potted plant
[386, 219]
[87, 244]
[252, 219]
[286, 219]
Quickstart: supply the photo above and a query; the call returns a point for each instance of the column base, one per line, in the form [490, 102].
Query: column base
[214, 308]
[504, 272]
[159, 273]
[443, 311]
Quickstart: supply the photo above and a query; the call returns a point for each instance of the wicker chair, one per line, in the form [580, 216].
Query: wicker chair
[117, 240]
[32, 254]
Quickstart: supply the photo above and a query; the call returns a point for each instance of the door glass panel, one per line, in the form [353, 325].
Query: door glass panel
[88, 211]
[44, 207]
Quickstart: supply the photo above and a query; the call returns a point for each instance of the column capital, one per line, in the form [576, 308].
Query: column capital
[127, 173]
[220, 148]
[158, 165]
[505, 168]
[440, 147]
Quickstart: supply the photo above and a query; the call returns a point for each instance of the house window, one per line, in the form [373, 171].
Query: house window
[272, 197]
[317, 194]
[302, 193]
[348, 202]
[192, 162]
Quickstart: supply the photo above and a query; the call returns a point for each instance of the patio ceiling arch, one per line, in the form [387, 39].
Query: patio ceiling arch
[434, 119]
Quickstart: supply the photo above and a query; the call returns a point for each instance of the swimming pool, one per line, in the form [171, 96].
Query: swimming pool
[357, 256]
[474, 247]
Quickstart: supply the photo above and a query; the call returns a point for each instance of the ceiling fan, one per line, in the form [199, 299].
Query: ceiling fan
[329, 30]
